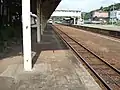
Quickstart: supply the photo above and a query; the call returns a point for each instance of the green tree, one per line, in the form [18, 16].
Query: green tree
[86, 16]
[10, 28]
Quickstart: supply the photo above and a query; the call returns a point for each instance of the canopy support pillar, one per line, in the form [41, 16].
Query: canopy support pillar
[26, 35]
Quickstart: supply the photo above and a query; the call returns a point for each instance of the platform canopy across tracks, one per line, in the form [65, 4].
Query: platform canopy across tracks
[75, 14]
[43, 9]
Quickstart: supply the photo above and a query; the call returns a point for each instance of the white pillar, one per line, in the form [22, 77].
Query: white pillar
[38, 23]
[26, 35]
[78, 18]
[42, 22]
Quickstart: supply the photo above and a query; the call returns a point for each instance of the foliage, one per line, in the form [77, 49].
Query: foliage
[86, 16]
[118, 23]
[110, 8]
[10, 21]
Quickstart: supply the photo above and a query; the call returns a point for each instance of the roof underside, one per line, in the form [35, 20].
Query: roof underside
[48, 6]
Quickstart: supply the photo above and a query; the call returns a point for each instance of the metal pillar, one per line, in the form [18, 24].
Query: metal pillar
[38, 22]
[26, 35]
[74, 20]
[42, 22]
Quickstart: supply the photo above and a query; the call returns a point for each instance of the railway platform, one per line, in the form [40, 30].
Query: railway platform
[55, 68]
[106, 27]
[108, 30]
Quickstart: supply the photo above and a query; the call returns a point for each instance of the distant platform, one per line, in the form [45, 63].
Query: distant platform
[107, 27]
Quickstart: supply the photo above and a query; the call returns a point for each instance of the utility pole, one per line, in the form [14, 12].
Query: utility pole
[113, 15]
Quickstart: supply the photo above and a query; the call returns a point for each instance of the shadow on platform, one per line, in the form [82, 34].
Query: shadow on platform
[50, 42]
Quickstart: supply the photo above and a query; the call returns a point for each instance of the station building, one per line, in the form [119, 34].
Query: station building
[115, 15]
[97, 15]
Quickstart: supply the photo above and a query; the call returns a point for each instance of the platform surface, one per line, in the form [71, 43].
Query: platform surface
[55, 68]
[107, 27]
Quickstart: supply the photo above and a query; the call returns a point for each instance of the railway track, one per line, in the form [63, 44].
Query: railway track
[107, 74]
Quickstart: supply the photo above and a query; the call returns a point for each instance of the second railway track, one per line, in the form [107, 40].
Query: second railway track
[108, 75]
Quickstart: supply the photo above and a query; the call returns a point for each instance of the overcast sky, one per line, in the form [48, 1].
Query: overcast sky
[85, 5]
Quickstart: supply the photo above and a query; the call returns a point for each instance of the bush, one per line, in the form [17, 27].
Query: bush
[9, 34]
[118, 23]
